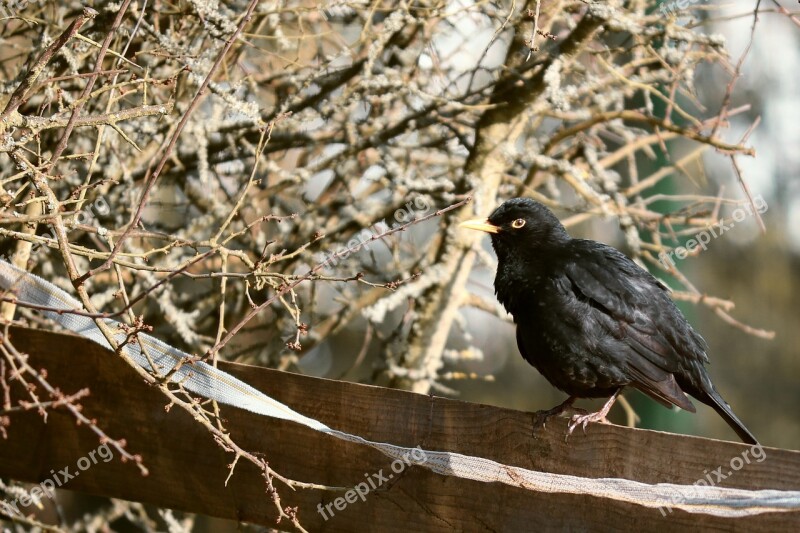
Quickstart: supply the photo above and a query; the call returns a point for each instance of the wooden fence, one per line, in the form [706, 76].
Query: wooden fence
[188, 470]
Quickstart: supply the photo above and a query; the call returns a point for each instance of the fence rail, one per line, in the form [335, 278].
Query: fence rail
[188, 470]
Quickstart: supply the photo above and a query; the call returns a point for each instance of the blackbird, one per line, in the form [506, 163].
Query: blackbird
[592, 321]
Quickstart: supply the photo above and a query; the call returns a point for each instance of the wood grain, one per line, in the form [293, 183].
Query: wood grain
[188, 470]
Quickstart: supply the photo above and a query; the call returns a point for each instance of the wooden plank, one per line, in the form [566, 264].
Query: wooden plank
[187, 469]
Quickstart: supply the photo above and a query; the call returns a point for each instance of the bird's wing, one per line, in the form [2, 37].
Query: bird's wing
[649, 333]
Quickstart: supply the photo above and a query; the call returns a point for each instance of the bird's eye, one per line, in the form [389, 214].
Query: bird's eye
[518, 223]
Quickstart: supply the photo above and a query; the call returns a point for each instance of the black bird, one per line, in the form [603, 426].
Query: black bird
[591, 320]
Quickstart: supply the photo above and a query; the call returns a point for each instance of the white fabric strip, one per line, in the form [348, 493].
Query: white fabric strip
[209, 382]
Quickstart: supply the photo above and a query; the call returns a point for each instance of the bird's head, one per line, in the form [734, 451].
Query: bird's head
[520, 226]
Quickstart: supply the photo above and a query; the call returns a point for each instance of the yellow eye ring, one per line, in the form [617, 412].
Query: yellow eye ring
[518, 223]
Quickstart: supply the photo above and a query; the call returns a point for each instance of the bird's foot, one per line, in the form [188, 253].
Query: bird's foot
[566, 405]
[584, 419]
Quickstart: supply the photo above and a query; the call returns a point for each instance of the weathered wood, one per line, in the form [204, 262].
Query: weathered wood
[187, 469]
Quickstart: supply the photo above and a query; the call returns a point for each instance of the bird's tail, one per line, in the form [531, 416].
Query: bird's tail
[724, 410]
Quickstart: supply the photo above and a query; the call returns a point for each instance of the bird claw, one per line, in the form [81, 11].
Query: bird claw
[581, 417]
[583, 420]
[542, 416]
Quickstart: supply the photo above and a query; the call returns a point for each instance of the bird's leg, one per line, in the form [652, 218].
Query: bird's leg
[599, 416]
[542, 416]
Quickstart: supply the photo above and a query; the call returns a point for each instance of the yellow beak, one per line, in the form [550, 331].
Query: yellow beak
[480, 224]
